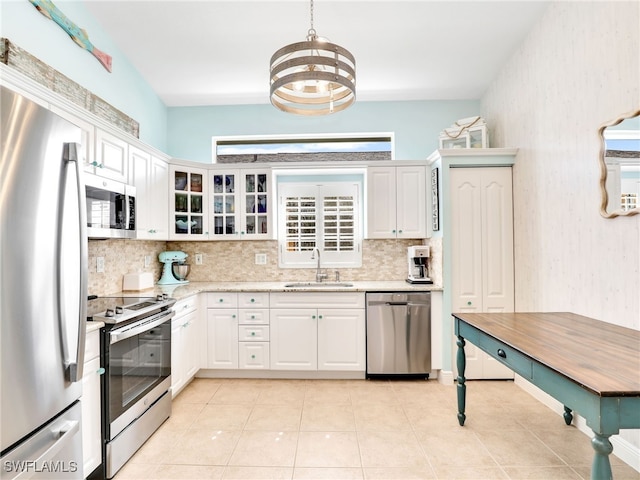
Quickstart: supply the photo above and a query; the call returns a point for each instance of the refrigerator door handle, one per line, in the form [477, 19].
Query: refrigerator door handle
[60, 437]
[71, 324]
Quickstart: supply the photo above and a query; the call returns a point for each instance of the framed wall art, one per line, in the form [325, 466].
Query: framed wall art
[435, 196]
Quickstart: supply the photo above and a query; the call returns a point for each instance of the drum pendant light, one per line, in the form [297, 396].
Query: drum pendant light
[314, 77]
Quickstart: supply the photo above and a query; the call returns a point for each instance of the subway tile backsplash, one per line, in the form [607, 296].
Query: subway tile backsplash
[234, 261]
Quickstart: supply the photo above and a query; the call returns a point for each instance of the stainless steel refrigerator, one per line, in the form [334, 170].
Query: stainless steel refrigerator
[43, 291]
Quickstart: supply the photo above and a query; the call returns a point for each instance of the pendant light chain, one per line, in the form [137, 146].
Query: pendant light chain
[312, 32]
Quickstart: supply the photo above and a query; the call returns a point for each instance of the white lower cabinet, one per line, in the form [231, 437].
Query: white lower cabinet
[330, 336]
[238, 330]
[90, 401]
[294, 339]
[185, 355]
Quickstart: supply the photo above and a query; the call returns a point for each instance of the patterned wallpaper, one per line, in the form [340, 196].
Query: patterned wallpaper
[235, 262]
[577, 69]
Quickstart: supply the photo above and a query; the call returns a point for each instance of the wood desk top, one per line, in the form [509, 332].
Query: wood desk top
[599, 356]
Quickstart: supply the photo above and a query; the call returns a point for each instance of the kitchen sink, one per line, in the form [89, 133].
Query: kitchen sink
[318, 285]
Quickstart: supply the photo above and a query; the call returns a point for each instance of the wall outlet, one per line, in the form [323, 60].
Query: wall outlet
[100, 264]
[198, 259]
[261, 258]
[147, 261]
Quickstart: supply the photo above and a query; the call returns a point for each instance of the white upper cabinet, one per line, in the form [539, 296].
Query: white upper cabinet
[241, 204]
[150, 175]
[397, 202]
[188, 203]
[88, 137]
[111, 160]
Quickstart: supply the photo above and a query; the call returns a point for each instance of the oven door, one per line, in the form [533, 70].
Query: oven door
[138, 369]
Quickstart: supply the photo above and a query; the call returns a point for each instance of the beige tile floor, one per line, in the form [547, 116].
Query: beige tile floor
[358, 429]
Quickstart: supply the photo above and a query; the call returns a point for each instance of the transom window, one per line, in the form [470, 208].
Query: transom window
[303, 148]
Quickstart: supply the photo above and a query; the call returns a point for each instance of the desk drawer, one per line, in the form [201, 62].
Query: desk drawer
[507, 356]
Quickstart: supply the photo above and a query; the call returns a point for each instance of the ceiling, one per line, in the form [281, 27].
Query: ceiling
[217, 52]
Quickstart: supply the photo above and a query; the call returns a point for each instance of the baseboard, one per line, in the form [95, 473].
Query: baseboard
[622, 448]
[281, 374]
[445, 377]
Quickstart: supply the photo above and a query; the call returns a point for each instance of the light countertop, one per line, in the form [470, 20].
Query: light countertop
[192, 288]
[92, 326]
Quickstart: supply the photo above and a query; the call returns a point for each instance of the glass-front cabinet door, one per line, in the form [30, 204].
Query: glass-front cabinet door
[224, 187]
[256, 203]
[188, 203]
[240, 204]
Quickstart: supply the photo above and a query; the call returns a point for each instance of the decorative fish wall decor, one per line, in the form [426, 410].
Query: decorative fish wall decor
[77, 34]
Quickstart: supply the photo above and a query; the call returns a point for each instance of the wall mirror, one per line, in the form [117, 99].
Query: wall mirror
[620, 166]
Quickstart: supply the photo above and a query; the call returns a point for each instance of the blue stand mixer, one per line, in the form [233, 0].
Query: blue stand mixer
[175, 269]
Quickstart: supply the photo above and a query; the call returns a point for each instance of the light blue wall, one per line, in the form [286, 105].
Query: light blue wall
[186, 132]
[124, 88]
[416, 124]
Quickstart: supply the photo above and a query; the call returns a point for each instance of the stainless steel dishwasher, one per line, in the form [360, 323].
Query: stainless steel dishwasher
[399, 334]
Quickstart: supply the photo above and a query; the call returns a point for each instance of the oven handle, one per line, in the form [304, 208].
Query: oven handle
[137, 329]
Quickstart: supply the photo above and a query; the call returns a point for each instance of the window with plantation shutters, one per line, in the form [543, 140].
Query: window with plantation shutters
[324, 216]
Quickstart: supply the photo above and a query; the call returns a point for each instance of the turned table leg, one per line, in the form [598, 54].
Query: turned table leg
[461, 363]
[568, 416]
[601, 468]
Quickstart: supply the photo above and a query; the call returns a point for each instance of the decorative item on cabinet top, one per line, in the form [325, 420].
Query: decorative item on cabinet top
[468, 132]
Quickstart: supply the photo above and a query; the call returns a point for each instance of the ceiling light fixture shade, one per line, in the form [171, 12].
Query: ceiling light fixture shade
[315, 77]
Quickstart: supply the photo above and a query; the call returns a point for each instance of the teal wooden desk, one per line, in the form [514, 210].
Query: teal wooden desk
[591, 367]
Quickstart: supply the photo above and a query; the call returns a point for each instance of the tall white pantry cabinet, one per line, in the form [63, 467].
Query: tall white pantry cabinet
[477, 230]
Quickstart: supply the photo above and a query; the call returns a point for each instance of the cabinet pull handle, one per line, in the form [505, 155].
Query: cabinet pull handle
[502, 353]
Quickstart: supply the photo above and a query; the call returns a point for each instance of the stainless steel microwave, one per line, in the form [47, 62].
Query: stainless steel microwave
[111, 208]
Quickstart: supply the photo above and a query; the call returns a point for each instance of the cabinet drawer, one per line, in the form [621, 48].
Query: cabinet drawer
[222, 300]
[253, 333]
[317, 300]
[253, 355]
[253, 299]
[507, 356]
[253, 316]
[92, 345]
[186, 305]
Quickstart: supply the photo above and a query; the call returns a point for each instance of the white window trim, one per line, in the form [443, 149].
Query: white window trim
[329, 259]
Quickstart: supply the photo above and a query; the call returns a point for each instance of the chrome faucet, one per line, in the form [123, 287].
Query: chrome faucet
[319, 275]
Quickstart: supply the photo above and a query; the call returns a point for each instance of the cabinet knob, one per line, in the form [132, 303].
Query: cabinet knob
[253, 356]
[320, 316]
[221, 300]
[233, 316]
[100, 371]
[468, 303]
[313, 317]
[253, 317]
[253, 334]
[399, 231]
[502, 353]
[393, 231]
